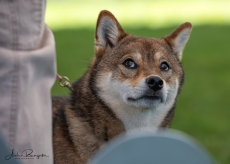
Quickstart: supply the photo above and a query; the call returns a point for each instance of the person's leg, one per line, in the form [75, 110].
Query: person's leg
[27, 73]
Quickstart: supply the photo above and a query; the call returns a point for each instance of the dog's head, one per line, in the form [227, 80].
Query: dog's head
[135, 71]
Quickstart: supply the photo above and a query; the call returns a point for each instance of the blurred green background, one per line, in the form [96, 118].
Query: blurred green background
[203, 108]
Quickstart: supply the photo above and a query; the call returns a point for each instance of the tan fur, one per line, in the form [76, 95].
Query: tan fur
[112, 98]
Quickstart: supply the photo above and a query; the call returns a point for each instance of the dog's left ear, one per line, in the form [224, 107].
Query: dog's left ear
[178, 39]
[108, 32]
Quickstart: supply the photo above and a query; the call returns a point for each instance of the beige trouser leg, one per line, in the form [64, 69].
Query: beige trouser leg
[27, 73]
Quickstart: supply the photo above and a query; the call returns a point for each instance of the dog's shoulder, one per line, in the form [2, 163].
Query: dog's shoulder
[61, 135]
[59, 107]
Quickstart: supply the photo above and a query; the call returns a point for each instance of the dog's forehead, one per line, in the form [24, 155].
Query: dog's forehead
[145, 45]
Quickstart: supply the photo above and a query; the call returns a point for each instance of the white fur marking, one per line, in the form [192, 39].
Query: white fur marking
[107, 30]
[181, 40]
[113, 92]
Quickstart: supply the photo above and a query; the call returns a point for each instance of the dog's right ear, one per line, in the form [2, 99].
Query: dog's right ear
[108, 32]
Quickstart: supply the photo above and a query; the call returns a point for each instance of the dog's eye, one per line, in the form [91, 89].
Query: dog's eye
[164, 66]
[129, 63]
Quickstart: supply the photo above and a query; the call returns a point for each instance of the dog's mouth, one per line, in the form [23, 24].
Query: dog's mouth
[146, 97]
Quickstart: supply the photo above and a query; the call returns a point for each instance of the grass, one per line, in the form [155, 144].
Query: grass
[203, 107]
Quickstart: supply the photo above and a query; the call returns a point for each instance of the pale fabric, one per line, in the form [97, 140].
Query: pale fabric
[27, 73]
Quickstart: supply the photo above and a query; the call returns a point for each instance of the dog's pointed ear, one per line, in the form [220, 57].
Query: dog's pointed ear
[108, 31]
[178, 39]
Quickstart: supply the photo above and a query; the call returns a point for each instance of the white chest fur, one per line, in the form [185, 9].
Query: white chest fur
[133, 118]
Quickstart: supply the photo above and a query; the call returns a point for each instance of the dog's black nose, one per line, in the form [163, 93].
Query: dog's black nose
[155, 83]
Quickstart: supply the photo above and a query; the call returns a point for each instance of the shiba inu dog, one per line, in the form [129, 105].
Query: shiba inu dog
[132, 83]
